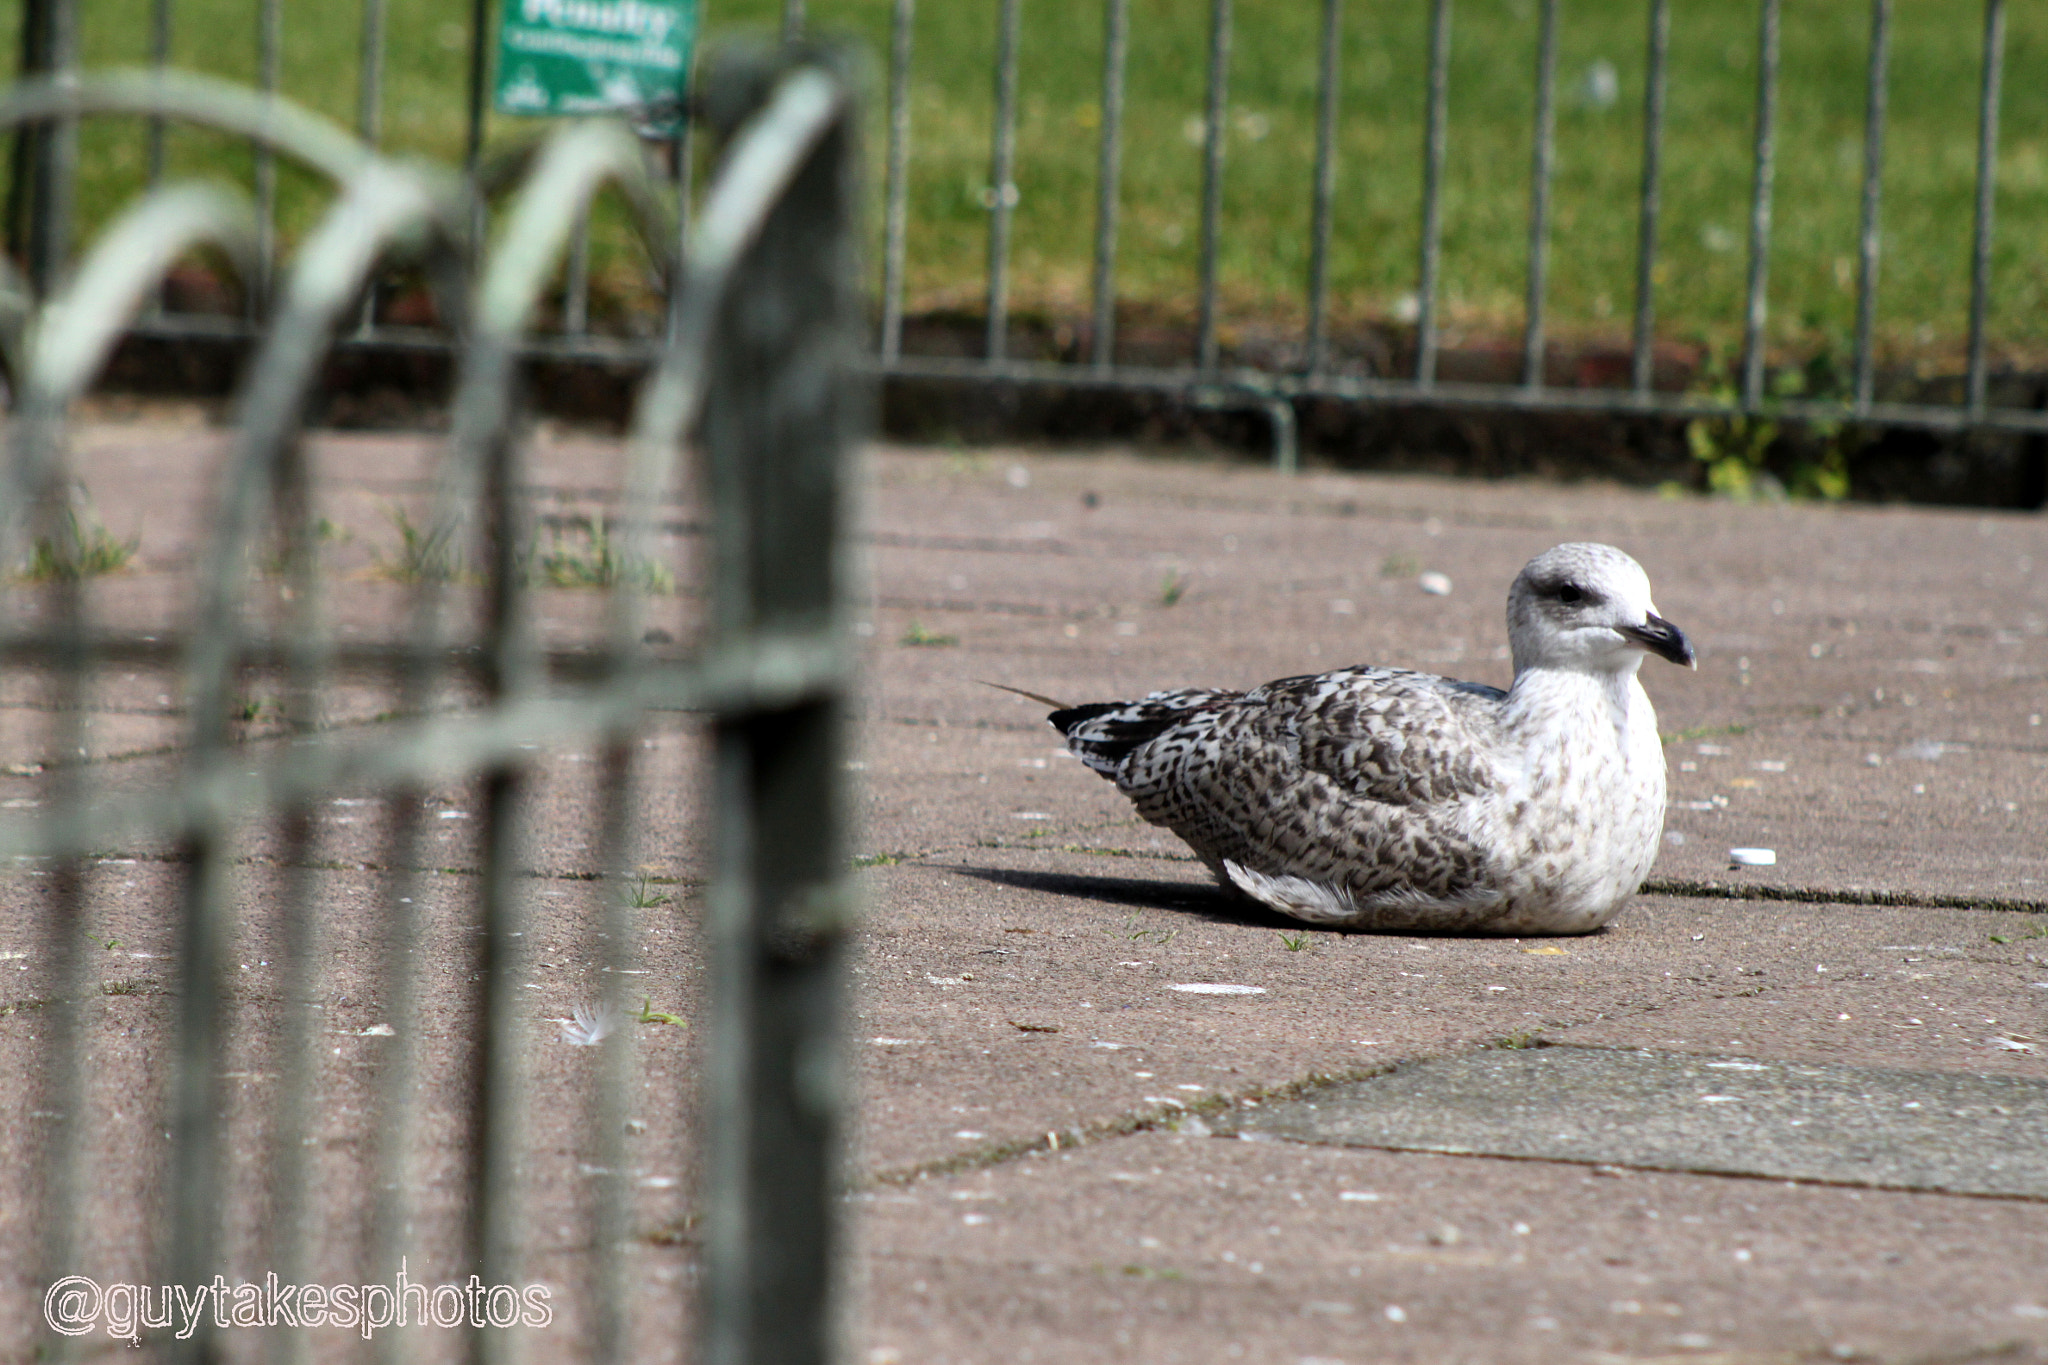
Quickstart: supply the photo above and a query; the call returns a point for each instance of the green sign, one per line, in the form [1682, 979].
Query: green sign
[595, 57]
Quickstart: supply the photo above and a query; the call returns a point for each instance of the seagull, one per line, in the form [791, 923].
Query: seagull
[1392, 801]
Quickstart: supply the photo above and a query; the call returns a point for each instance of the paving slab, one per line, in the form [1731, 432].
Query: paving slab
[1846, 1125]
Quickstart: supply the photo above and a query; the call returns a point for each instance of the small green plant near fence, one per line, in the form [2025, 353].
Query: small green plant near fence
[425, 554]
[917, 636]
[1758, 458]
[650, 1015]
[588, 557]
[79, 548]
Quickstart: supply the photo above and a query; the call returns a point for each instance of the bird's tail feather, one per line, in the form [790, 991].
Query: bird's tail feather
[1053, 702]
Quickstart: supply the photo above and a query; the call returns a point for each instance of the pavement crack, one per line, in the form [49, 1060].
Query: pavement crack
[1823, 895]
[1146, 1120]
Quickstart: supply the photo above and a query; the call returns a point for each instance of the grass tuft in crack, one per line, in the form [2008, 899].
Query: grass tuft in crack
[425, 554]
[80, 548]
[918, 637]
[589, 558]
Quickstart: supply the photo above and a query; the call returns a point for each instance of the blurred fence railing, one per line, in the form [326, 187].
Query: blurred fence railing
[206, 1123]
[1279, 378]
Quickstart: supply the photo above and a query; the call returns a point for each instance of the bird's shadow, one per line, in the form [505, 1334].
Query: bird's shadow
[1209, 901]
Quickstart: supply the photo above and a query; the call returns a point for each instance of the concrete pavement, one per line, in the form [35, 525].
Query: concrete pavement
[1059, 1156]
[1868, 704]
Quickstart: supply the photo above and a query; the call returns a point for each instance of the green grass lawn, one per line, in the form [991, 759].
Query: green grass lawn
[1929, 153]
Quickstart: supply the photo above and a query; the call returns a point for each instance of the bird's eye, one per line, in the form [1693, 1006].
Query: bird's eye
[1569, 593]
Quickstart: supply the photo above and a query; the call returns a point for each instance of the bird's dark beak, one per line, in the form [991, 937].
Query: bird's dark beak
[1662, 639]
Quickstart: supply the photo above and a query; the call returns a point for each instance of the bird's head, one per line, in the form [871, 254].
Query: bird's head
[1587, 607]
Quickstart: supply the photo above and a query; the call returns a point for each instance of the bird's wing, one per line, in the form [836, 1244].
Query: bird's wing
[1348, 777]
[1387, 735]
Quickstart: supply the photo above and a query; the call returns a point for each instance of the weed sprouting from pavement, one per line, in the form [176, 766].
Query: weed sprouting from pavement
[650, 1015]
[592, 560]
[2038, 929]
[1172, 588]
[79, 548]
[643, 897]
[879, 859]
[1133, 934]
[917, 636]
[1294, 942]
[425, 554]
[1398, 565]
[1521, 1038]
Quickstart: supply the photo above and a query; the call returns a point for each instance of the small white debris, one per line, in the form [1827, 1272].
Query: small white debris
[1753, 857]
[1032, 814]
[1674, 838]
[2004, 1044]
[946, 980]
[1396, 1313]
[1873, 760]
[1359, 1196]
[1720, 1099]
[974, 1220]
[1434, 583]
[377, 1031]
[1217, 988]
[1017, 476]
[1710, 750]
[970, 1134]
[1192, 1126]
[1770, 765]
[895, 1042]
[1927, 750]
[2029, 1310]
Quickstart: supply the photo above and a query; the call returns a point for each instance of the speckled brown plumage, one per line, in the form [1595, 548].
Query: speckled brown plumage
[1379, 798]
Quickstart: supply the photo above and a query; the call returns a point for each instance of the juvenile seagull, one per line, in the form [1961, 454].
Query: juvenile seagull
[1389, 800]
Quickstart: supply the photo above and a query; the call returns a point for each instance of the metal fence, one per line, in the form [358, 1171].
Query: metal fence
[1279, 382]
[207, 1123]
[1209, 380]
